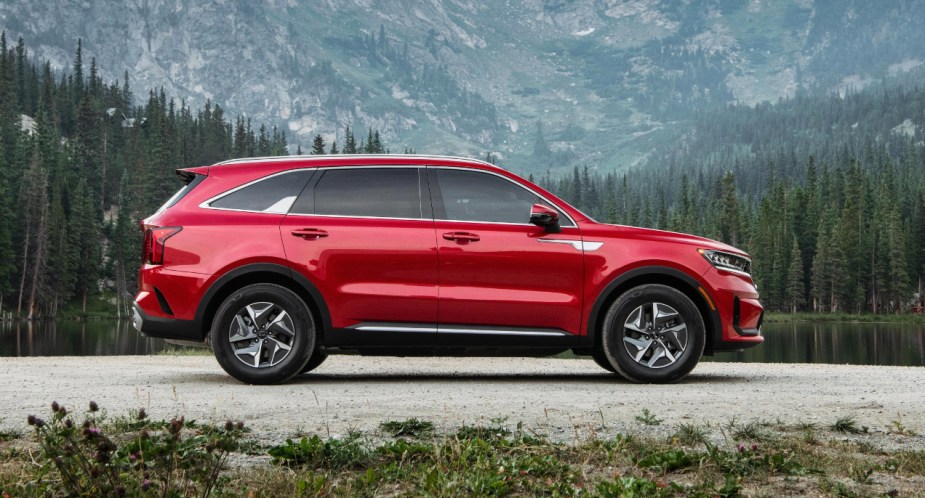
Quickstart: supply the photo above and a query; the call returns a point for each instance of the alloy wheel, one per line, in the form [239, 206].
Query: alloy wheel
[655, 335]
[261, 334]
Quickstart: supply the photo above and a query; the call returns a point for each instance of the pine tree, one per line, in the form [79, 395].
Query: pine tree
[795, 288]
[350, 142]
[318, 145]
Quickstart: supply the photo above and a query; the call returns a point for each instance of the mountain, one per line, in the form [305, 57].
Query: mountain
[542, 84]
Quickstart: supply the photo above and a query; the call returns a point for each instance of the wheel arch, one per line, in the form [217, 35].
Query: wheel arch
[256, 273]
[655, 275]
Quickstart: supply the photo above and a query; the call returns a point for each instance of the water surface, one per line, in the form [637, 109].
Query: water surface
[900, 344]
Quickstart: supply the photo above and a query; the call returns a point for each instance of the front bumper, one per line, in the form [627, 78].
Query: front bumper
[740, 312]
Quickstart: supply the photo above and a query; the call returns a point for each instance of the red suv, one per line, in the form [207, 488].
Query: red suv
[278, 262]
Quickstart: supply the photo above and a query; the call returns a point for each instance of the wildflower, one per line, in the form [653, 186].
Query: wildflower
[145, 485]
[741, 448]
[141, 414]
[229, 425]
[31, 419]
[55, 407]
[240, 425]
[754, 447]
[94, 407]
[63, 411]
[69, 424]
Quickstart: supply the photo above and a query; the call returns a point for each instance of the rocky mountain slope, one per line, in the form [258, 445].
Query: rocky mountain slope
[539, 83]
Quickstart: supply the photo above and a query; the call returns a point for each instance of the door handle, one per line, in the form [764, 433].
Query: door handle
[461, 237]
[309, 233]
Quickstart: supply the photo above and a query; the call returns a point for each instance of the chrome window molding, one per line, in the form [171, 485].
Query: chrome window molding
[207, 203]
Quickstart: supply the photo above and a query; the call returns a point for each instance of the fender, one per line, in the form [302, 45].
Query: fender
[656, 274]
[207, 305]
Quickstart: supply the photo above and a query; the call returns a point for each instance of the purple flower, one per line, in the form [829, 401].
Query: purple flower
[741, 448]
[94, 407]
[55, 407]
[754, 447]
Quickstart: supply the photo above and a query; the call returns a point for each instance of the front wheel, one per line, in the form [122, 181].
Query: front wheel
[315, 361]
[263, 334]
[653, 334]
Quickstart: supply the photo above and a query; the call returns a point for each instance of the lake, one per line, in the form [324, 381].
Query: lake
[899, 344]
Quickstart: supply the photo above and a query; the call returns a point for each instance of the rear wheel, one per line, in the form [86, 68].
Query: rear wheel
[263, 334]
[653, 333]
[601, 359]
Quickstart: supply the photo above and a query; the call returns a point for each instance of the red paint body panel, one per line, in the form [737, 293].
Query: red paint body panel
[509, 278]
[368, 269]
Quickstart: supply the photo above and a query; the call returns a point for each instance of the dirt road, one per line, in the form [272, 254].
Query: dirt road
[562, 398]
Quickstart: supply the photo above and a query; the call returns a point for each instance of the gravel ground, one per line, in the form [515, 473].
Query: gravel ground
[562, 398]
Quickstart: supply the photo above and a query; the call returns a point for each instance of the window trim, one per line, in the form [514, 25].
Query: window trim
[439, 193]
[426, 208]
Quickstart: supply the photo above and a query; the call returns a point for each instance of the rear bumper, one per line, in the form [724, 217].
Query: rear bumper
[165, 328]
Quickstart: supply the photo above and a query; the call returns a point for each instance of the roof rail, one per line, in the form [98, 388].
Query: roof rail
[352, 156]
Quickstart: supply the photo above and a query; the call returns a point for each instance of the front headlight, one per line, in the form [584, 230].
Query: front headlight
[728, 261]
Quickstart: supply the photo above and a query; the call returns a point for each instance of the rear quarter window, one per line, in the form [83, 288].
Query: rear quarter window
[274, 194]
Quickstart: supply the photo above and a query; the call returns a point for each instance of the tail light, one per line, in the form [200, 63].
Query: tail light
[152, 251]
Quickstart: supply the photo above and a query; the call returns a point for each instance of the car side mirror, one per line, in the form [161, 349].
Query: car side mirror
[545, 216]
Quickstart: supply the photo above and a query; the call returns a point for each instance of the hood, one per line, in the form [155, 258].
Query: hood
[603, 230]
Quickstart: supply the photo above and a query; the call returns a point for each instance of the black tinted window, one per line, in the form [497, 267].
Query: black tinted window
[475, 196]
[379, 192]
[272, 195]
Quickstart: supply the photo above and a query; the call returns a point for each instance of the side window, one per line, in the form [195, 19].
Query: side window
[376, 192]
[476, 196]
[271, 195]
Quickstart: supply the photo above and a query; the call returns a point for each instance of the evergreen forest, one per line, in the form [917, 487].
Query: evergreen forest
[825, 191]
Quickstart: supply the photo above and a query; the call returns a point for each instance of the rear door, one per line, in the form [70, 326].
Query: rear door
[365, 237]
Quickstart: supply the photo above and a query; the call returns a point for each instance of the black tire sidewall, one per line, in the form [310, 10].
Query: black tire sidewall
[612, 334]
[600, 358]
[302, 345]
[315, 361]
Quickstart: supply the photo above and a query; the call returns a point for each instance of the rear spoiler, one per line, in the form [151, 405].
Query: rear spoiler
[189, 174]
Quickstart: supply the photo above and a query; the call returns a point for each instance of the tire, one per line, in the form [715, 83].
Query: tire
[259, 355]
[647, 351]
[315, 361]
[601, 359]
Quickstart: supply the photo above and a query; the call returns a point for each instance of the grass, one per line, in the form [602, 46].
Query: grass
[411, 458]
[411, 428]
[648, 418]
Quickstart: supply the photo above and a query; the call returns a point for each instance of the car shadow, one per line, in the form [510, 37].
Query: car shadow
[521, 378]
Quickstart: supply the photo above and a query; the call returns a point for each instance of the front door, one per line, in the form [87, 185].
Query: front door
[499, 275]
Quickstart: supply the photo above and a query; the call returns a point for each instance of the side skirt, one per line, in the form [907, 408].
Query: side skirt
[416, 339]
